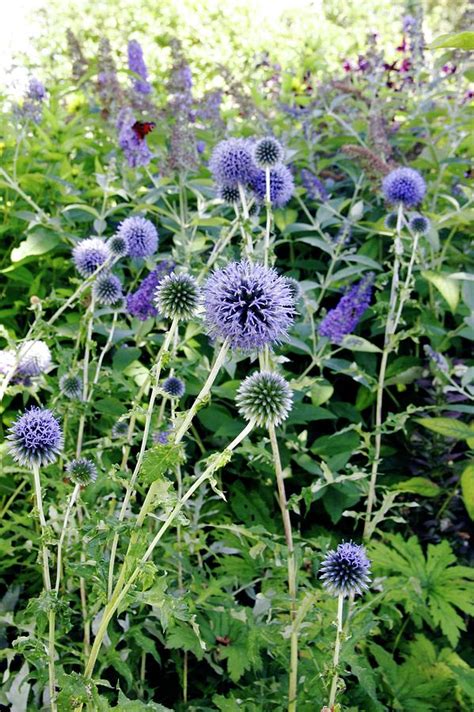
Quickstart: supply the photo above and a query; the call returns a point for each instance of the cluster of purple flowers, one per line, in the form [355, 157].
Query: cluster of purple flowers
[134, 147]
[343, 319]
[315, 188]
[136, 64]
[32, 106]
[108, 85]
[140, 303]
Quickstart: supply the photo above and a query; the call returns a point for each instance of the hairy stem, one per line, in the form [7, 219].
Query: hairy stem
[268, 223]
[337, 651]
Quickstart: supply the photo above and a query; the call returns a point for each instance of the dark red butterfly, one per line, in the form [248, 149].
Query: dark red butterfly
[142, 128]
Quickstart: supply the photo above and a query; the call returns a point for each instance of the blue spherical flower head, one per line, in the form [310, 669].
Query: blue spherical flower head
[267, 152]
[71, 386]
[174, 387]
[35, 438]
[346, 570]
[342, 320]
[391, 221]
[249, 305]
[120, 429]
[89, 255]
[419, 224]
[404, 185]
[118, 246]
[264, 398]
[228, 193]
[81, 471]
[141, 236]
[34, 358]
[281, 185]
[231, 162]
[177, 296]
[107, 290]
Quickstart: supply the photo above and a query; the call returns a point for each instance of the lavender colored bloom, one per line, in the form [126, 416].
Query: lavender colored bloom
[161, 437]
[141, 304]
[141, 236]
[136, 64]
[281, 185]
[231, 161]
[7, 361]
[118, 246]
[120, 429]
[82, 471]
[200, 146]
[314, 186]
[32, 107]
[173, 386]
[408, 22]
[404, 185]
[267, 152]
[437, 358]
[107, 290]
[343, 319]
[209, 109]
[108, 85]
[35, 438]
[264, 398]
[249, 305]
[89, 255]
[34, 358]
[79, 63]
[346, 570]
[36, 90]
[135, 148]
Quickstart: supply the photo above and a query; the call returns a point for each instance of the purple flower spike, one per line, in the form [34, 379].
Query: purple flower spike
[136, 64]
[140, 304]
[343, 319]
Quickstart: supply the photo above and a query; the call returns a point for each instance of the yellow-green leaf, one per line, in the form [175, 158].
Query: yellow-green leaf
[449, 427]
[467, 488]
[419, 485]
[446, 286]
[458, 40]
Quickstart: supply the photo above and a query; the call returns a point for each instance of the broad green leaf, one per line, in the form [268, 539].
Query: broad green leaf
[449, 427]
[357, 343]
[321, 392]
[419, 485]
[37, 243]
[458, 40]
[446, 286]
[467, 488]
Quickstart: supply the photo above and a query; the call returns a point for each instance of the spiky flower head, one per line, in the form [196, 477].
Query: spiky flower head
[177, 296]
[404, 185]
[264, 398]
[281, 185]
[136, 64]
[295, 288]
[120, 429]
[107, 290]
[173, 386]
[141, 236]
[249, 305]
[391, 221]
[71, 386]
[231, 161]
[346, 569]
[7, 361]
[89, 255]
[34, 358]
[343, 319]
[228, 193]
[267, 152]
[419, 224]
[81, 471]
[118, 246]
[140, 304]
[35, 438]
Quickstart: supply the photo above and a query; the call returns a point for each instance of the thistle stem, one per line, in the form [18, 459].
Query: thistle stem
[292, 586]
[85, 374]
[247, 237]
[106, 348]
[146, 430]
[205, 390]
[70, 505]
[268, 205]
[337, 651]
[47, 587]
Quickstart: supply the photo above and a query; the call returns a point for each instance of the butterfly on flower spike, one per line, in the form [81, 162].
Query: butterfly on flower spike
[142, 128]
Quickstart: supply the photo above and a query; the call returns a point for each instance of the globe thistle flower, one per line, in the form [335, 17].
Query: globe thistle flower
[343, 319]
[135, 149]
[295, 288]
[249, 305]
[118, 246]
[231, 162]
[391, 221]
[281, 185]
[177, 296]
[345, 570]
[140, 304]
[7, 361]
[35, 438]
[228, 193]
[120, 429]
[34, 358]
[267, 152]
[81, 471]
[137, 65]
[71, 386]
[107, 290]
[315, 188]
[90, 254]
[174, 387]
[141, 236]
[404, 185]
[419, 224]
[264, 398]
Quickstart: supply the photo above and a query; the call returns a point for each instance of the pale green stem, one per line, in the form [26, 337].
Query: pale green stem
[45, 218]
[47, 587]
[146, 431]
[119, 593]
[246, 236]
[106, 348]
[70, 505]
[292, 585]
[337, 651]
[205, 390]
[85, 374]
[220, 245]
[268, 205]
